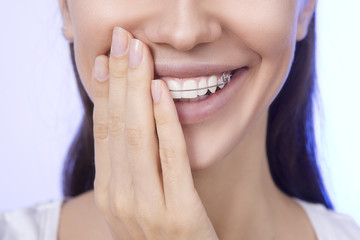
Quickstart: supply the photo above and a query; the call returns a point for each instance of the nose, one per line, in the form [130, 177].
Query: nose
[183, 24]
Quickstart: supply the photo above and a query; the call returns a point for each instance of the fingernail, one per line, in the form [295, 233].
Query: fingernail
[119, 43]
[156, 90]
[136, 53]
[101, 71]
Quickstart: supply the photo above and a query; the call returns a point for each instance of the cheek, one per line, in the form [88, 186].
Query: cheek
[269, 30]
[90, 40]
[270, 33]
[266, 27]
[93, 22]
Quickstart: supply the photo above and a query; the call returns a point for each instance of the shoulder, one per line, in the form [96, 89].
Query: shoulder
[330, 225]
[36, 222]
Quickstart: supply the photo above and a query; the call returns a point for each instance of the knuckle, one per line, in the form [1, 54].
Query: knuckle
[101, 91]
[101, 201]
[116, 123]
[133, 136]
[100, 130]
[101, 205]
[118, 207]
[162, 118]
[117, 68]
[136, 85]
[121, 204]
[121, 210]
[167, 153]
[120, 213]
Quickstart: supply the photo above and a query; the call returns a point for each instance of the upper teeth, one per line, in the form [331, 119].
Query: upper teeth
[192, 88]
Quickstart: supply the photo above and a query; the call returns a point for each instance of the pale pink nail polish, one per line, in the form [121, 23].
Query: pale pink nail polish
[156, 90]
[119, 43]
[136, 53]
[101, 71]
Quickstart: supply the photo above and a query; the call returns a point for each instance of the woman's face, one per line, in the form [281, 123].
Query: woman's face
[190, 38]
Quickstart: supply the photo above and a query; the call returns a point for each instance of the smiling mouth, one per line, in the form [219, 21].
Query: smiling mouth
[192, 89]
[196, 88]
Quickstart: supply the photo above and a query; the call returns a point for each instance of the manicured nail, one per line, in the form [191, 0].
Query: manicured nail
[119, 43]
[156, 90]
[101, 70]
[136, 53]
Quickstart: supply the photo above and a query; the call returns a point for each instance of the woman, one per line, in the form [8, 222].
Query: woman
[219, 146]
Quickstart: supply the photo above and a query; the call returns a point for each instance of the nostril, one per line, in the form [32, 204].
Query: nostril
[183, 26]
[180, 38]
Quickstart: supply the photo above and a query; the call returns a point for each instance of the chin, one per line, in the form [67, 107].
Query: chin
[201, 156]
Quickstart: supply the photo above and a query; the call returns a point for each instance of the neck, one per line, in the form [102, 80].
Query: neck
[238, 192]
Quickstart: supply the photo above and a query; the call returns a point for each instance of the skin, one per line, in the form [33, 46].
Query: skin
[165, 182]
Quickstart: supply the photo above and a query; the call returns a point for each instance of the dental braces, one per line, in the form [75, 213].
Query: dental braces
[226, 77]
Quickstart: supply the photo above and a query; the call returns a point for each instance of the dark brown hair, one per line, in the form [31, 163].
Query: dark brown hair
[290, 142]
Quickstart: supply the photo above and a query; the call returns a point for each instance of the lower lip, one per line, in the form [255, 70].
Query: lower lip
[195, 112]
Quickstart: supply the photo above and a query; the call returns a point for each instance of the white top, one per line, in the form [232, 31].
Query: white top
[330, 225]
[40, 222]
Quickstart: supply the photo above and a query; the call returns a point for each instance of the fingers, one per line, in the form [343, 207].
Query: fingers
[141, 141]
[132, 137]
[120, 193]
[127, 150]
[135, 184]
[177, 178]
[135, 191]
[100, 85]
[118, 67]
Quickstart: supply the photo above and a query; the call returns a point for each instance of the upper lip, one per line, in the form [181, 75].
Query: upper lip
[190, 70]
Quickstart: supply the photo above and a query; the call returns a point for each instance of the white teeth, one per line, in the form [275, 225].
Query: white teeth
[220, 82]
[192, 88]
[203, 87]
[174, 85]
[189, 85]
[212, 82]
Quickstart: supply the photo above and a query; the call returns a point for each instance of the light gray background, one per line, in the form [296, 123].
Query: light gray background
[40, 107]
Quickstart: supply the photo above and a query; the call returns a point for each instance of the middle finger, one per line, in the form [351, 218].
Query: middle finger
[142, 147]
[118, 67]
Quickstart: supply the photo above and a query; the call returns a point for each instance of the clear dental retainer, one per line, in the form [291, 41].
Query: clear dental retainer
[224, 79]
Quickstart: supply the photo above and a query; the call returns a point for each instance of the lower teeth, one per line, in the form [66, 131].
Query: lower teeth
[191, 99]
[197, 98]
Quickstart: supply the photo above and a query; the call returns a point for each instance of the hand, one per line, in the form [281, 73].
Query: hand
[143, 184]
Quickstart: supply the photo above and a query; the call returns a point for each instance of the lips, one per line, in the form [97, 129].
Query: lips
[191, 70]
[191, 88]
[199, 109]
[193, 80]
